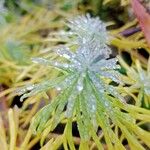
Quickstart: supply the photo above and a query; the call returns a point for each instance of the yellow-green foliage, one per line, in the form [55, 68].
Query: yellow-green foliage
[37, 33]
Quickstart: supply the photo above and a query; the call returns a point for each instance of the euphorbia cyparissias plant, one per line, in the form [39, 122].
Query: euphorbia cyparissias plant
[86, 94]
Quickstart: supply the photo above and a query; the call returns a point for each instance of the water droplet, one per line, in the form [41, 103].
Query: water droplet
[79, 87]
[56, 63]
[58, 88]
[20, 91]
[34, 60]
[80, 84]
[30, 87]
[84, 40]
[93, 108]
[106, 104]
[66, 56]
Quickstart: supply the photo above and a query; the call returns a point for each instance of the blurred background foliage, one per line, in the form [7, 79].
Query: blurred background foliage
[26, 30]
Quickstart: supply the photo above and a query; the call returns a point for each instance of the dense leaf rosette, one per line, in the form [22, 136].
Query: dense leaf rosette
[86, 94]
